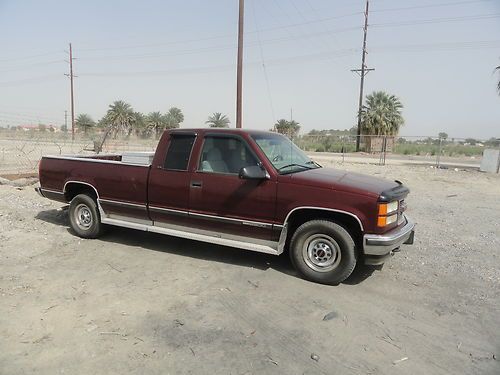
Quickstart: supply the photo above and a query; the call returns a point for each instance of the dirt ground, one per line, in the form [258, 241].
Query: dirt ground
[140, 303]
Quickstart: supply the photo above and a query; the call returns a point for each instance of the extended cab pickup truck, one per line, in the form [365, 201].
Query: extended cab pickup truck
[252, 190]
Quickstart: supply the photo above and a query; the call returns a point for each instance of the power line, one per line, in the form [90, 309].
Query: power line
[225, 36]
[215, 48]
[300, 25]
[218, 68]
[22, 67]
[30, 80]
[444, 46]
[25, 116]
[264, 64]
[437, 20]
[429, 6]
[30, 57]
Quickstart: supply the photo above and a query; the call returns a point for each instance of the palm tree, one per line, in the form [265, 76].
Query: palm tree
[381, 115]
[120, 117]
[155, 123]
[173, 118]
[288, 128]
[85, 122]
[139, 124]
[218, 120]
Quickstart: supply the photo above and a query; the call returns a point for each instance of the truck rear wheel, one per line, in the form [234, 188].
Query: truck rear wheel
[84, 216]
[323, 251]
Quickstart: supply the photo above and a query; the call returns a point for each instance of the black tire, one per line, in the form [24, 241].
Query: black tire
[84, 216]
[323, 251]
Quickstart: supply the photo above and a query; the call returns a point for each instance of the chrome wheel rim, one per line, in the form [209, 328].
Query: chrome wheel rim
[83, 216]
[321, 253]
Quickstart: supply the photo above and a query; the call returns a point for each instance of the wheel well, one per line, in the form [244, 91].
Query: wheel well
[72, 189]
[299, 217]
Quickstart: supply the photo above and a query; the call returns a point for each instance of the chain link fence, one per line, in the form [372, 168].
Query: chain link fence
[21, 151]
[429, 150]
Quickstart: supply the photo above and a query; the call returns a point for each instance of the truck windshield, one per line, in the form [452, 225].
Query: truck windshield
[285, 156]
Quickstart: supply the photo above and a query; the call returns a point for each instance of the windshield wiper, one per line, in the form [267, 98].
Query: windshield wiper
[314, 163]
[294, 165]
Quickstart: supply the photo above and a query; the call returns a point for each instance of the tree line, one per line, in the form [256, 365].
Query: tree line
[122, 119]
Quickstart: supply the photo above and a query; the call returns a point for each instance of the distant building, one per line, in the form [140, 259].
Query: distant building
[36, 128]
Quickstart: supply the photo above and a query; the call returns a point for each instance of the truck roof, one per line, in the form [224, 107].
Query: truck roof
[221, 130]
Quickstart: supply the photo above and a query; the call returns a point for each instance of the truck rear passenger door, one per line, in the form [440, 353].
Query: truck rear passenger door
[169, 181]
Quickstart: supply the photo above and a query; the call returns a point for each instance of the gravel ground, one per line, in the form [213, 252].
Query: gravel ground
[134, 302]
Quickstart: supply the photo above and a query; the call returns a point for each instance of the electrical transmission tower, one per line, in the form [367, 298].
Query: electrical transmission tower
[362, 73]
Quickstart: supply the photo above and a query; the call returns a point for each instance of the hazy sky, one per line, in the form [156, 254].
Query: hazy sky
[437, 56]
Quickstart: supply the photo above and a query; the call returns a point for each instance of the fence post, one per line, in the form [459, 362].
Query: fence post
[438, 159]
[343, 149]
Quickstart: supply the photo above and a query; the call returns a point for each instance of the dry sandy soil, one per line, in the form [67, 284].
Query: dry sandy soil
[141, 303]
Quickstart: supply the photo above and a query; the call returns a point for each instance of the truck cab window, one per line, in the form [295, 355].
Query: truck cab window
[225, 155]
[178, 152]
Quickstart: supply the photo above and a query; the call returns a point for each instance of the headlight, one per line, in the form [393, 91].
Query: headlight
[387, 213]
[387, 208]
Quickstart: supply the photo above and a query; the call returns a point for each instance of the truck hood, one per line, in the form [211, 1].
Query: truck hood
[350, 182]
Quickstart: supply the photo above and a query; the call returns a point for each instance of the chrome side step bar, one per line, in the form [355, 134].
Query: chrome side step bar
[240, 242]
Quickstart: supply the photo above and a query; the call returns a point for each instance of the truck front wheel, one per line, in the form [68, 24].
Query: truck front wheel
[84, 216]
[323, 251]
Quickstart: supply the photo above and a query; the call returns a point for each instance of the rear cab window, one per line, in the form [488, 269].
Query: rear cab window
[179, 152]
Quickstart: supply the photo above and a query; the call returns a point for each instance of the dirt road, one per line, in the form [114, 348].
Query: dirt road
[140, 303]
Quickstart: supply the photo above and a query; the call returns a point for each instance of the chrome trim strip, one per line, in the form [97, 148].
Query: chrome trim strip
[232, 220]
[381, 244]
[89, 159]
[171, 211]
[324, 209]
[51, 191]
[101, 211]
[122, 203]
[80, 182]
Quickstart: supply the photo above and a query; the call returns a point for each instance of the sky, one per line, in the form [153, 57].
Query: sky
[437, 56]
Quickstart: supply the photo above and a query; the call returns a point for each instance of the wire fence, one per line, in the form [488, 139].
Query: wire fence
[440, 152]
[20, 151]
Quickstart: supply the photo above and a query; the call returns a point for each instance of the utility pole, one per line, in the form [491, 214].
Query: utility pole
[291, 114]
[362, 72]
[66, 120]
[239, 73]
[71, 76]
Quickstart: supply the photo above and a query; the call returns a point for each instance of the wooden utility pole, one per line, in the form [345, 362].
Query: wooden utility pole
[362, 72]
[239, 73]
[71, 76]
[72, 94]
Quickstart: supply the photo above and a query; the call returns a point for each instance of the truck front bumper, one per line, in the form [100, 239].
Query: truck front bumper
[379, 247]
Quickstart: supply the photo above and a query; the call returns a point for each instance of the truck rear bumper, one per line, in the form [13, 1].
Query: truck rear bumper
[378, 247]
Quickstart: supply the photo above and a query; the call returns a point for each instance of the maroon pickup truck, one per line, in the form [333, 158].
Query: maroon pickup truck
[252, 190]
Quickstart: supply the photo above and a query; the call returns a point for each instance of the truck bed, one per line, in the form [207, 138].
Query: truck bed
[121, 186]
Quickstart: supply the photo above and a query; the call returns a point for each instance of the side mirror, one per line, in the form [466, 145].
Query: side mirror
[253, 172]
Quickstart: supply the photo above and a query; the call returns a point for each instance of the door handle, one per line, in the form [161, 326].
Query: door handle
[196, 184]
